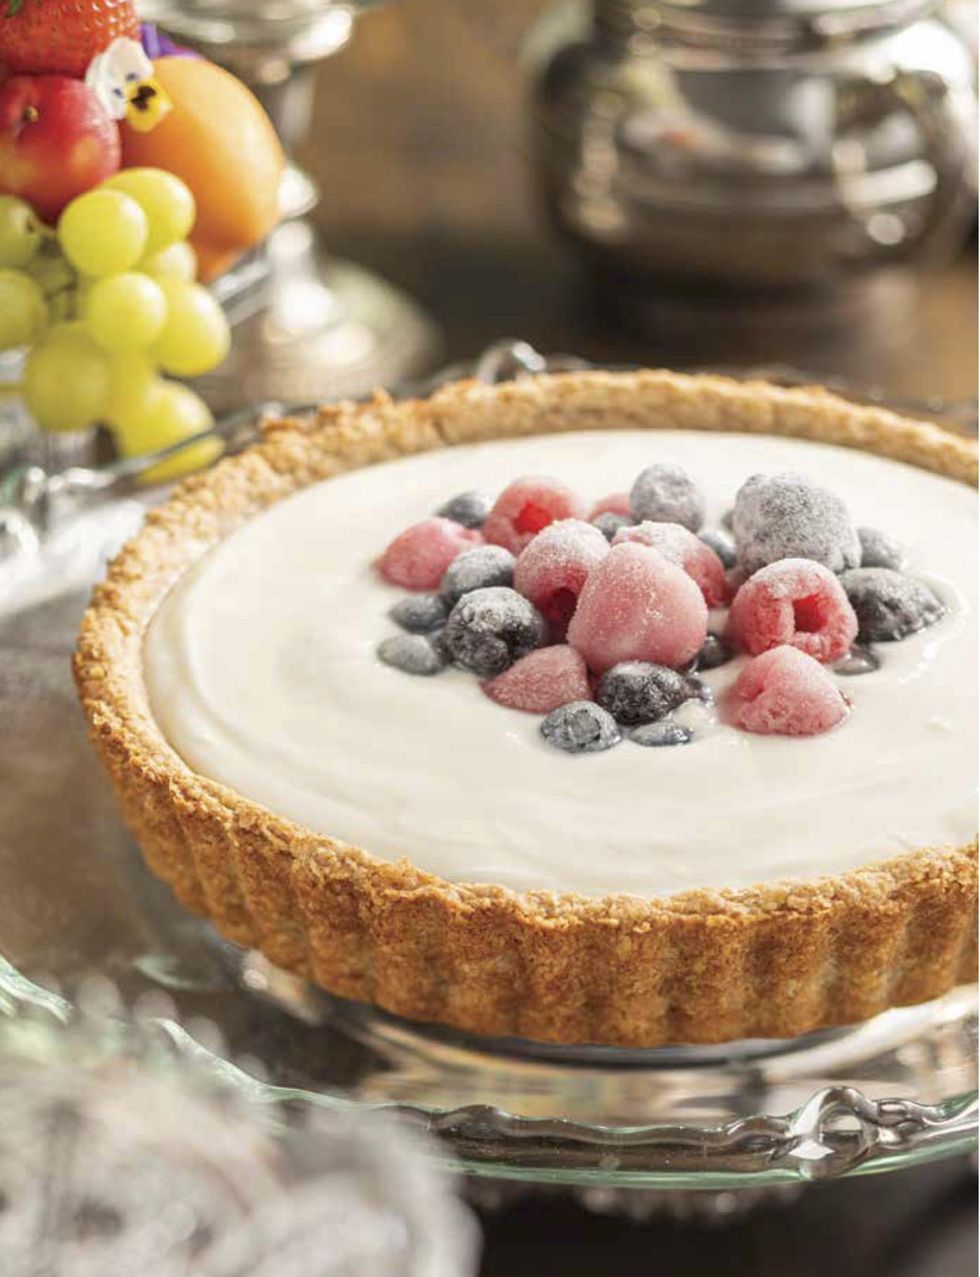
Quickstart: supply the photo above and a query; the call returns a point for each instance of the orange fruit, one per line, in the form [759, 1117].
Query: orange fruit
[220, 141]
[213, 260]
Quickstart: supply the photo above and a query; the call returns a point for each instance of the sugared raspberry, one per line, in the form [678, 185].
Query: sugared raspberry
[615, 503]
[794, 601]
[553, 568]
[784, 692]
[418, 557]
[689, 552]
[541, 681]
[525, 507]
[638, 606]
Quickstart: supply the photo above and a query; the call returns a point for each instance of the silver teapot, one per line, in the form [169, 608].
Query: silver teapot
[753, 143]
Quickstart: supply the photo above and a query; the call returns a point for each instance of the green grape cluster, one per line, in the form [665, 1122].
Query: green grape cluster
[104, 304]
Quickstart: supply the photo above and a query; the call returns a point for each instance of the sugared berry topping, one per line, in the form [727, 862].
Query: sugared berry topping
[859, 660]
[467, 508]
[637, 692]
[615, 503]
[665, 493]
[879, 550]
[489, 629]
[689, 552]
[889, 605]
[785, 516]
[580, 728]
[477, 570]
[541, 681]
[553, 568]
[784, 692]
[609, 523]
[418, 557]
[658, 734]
[638, 606]
[412, 653]
[419, 613]
[723, 545]
[794, 601]
[526, 507]
[714, 652]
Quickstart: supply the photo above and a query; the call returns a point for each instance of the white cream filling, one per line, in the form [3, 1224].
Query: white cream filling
[261, 671]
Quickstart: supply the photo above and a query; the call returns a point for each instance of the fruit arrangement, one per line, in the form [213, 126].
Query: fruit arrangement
[129, 171]
[599, 619]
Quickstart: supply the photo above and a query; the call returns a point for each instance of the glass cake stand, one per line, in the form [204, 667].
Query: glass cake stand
[78, 910]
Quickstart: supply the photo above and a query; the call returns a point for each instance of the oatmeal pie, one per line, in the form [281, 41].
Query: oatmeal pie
[627, 708]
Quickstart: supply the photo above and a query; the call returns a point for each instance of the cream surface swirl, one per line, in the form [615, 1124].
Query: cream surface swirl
[261, 670]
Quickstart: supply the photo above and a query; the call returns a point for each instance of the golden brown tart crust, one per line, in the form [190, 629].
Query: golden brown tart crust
[774, 960]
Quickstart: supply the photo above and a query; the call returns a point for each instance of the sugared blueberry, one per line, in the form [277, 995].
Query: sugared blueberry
[418, 557]
[553, 568]
[638, 692]
[722, 543]
[468, 508]
[859, 660]
[879, 550]
[476, 570]
[580, 728]
[525, 507]
[689, 552]
[888, 604]
[412, 653]
[541, 681]
[638, 606]
[489, 629]
[609, 523]
[665, 493]
[657, 734]
[794, 601]
[785, 516]
[419, 613]
[714, 652]
[784, 692]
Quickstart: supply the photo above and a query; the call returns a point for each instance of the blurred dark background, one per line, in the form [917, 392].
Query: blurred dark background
[419, 143]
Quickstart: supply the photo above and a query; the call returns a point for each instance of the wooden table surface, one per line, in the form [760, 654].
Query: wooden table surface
[419, 146]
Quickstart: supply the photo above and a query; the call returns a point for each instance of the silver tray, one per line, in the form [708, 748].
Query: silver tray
[77, 909]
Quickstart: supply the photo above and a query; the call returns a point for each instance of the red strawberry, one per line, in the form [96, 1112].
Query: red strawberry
[61, 37]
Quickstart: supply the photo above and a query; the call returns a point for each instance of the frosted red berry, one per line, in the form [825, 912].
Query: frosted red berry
[784, 692]
[615, 503]
[685, 549]
[418, 557]
[638, 606]
[793, 601]
[526, 507]
[541, 681]
[553, 568]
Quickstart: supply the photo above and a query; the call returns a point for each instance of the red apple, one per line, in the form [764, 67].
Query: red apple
[56, 141]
